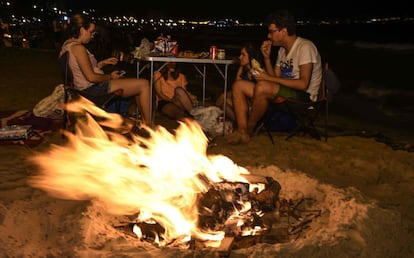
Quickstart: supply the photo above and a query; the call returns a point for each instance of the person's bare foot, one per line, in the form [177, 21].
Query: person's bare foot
[250, 128]
[238, 138]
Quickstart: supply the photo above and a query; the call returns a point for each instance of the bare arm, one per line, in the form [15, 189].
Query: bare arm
[266, 49]
[239, 73]
[157, 84]
[301, 83]
[108, 61]
[79, 51]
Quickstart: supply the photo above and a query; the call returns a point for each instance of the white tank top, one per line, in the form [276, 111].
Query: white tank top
[79, 80]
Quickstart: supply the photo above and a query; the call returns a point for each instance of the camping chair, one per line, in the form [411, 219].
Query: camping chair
[305, 113]
[71, 92]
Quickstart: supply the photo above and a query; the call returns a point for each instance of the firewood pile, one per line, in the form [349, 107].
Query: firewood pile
[270, 219]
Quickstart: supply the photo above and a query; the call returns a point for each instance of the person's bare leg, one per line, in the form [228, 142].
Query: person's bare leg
[229, 106]
[139, 88]
[182, 99]
[242, 90]
[173, 111]
[230, 113]
[144, 109]
[263, 94]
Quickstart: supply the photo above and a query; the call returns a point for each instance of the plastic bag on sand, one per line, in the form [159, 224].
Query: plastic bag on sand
[211, 120]
[51, 106]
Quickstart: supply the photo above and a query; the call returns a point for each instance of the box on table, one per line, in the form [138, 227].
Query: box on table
[15, 132]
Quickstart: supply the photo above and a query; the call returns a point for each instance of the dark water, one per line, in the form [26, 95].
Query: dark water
[232, 38]
[378, 55]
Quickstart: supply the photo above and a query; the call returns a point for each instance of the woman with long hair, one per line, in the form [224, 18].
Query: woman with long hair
[173, 99]
[248, 53]
[88, 74]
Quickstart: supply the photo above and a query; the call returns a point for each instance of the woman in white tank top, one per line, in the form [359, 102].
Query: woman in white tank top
[88, 74]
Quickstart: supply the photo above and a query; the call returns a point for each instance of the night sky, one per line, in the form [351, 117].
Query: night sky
[256, 10]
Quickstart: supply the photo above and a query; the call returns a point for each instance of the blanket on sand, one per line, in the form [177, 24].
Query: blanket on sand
[40, 126]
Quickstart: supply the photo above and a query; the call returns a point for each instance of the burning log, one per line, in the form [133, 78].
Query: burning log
[149, 231]
[225, 247]
[268, 198]
[223, 208]
[218, 206]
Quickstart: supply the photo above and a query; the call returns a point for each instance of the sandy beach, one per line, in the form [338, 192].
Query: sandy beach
[361, 179]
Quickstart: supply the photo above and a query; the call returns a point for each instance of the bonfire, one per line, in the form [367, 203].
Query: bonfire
[171, 192]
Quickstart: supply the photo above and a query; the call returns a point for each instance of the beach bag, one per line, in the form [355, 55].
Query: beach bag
[211, 119]
[52, 105]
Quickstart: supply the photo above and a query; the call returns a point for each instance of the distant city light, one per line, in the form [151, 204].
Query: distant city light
[155, 24]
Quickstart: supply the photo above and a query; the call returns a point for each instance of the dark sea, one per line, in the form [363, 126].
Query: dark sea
[396, 36]
[362, 55]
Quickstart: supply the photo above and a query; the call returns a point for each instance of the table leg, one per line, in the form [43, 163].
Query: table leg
[204, 86]
[203, 74]
[225, 99]
[151, 90]
[224, 76]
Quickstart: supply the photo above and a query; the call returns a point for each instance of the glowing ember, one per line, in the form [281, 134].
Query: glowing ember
[159, 177]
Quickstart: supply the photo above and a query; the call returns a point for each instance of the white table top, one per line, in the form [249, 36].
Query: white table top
[186, 60]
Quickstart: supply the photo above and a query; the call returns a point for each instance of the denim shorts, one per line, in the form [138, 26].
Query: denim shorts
[99, 89]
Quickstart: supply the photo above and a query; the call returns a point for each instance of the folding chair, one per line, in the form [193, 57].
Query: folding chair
[305, 113]
[71, 92]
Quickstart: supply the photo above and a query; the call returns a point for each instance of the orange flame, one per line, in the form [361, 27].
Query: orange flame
[158, 177]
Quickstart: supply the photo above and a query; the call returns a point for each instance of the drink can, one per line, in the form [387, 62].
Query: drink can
[175, 50]
[221, 54]
[213, 52]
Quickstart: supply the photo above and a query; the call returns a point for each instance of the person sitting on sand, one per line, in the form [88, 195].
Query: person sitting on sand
[248, 53]
[173, 99]
[297, 74]
[88, 75]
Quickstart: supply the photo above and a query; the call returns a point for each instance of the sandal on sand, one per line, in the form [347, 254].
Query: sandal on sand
[237, 138]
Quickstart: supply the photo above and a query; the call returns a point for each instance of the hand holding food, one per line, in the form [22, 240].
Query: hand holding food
[256, 67]
[266, 48]
[255, 64]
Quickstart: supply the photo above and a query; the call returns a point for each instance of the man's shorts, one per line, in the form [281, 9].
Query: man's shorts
[289, 93]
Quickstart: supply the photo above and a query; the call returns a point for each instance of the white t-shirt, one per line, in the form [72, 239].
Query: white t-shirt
[302, 52]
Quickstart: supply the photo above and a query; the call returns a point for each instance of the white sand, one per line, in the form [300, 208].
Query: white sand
[363, 188]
